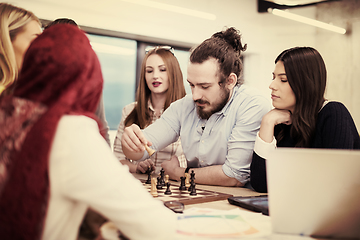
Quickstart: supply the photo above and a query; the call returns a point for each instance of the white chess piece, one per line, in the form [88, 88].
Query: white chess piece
[153, 190]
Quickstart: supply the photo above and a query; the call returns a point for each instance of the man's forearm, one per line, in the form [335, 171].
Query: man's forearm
[212, 175]
[131, 154]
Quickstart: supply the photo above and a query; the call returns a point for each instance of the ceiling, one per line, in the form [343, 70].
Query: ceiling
[132, 19]
[263, 5]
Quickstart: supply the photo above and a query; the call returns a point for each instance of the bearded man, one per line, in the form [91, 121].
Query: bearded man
[217, 124]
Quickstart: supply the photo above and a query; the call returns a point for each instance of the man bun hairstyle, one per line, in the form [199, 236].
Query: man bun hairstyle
[226, 48]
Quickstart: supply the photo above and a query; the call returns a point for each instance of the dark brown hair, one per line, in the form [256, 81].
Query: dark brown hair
[306, 73]
[61, 21]
[226, 48]
[140, 115]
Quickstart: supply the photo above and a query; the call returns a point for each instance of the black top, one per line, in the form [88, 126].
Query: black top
[335, 128]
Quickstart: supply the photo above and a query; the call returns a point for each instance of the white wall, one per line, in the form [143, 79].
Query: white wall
[266, 35]
[342, 54]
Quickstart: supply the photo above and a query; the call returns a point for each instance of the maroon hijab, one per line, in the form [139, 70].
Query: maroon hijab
[60, 75]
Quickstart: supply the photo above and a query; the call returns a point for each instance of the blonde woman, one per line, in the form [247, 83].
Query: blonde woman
[161, 83]
[18, 28]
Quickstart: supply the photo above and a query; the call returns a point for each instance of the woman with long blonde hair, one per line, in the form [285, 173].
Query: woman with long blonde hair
[18, 28]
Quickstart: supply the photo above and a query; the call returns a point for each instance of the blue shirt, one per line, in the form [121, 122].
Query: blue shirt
[226, 138]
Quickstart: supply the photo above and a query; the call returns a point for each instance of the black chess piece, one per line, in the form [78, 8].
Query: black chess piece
[158, 184]
[162, 177]
[192, 175]
[193, 189]
[192, 180]
[168, 191]
[148, 181]
[182, 184]
[189, 189]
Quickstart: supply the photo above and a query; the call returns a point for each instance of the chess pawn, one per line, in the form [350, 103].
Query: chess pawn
[166, 179]
[153, 190]
[187, 180]
[168, 191]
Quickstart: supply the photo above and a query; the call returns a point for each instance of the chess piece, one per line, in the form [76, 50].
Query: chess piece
[149, 150]
[189, 189]
[162, 175]
[166, 179]
[192, 180]
[159, 185]
[187, 180]
[153, 190]
[168, 191]
[182, 184]
[193, 189]
[148, 181]
[192, 175]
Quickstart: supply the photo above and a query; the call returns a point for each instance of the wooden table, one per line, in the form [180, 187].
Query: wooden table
[225, 205]
[219, 204]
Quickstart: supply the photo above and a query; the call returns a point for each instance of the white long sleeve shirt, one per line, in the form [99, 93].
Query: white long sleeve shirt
[85, 173]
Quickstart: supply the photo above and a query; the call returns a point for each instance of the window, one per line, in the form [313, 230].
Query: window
[120, 61]
[183, 59]
[117, 57]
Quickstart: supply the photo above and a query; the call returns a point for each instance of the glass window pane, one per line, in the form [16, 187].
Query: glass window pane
[117, 57]
[183, 59]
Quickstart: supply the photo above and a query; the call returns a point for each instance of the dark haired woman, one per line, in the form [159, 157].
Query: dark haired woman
[301, 116]
[161, 83]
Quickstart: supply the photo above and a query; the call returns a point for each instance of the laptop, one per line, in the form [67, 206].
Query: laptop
[314, 192]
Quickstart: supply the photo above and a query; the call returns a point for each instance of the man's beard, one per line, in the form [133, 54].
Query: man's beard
[216, 106]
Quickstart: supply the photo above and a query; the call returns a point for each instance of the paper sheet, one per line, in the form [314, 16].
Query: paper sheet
[205, 223]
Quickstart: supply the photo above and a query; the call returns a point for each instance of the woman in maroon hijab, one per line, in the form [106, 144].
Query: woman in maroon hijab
[54, 164]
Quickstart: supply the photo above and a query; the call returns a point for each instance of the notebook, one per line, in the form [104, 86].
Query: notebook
[314, 192]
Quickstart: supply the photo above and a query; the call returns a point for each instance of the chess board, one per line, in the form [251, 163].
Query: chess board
[184, 196]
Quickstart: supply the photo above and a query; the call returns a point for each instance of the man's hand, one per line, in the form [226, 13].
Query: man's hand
[133, 142]
[133, 139]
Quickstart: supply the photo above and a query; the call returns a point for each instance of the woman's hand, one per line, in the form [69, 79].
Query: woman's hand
[270, 120]
[278, 116]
